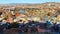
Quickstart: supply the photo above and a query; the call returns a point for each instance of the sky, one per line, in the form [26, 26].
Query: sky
[26, 1]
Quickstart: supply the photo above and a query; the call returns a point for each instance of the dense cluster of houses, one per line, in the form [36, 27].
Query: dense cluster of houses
[31, 15]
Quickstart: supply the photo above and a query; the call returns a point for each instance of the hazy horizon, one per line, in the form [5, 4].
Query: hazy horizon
[26, 1]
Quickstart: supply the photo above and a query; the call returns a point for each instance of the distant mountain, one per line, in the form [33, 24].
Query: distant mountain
[13, 4]
[47, 4]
